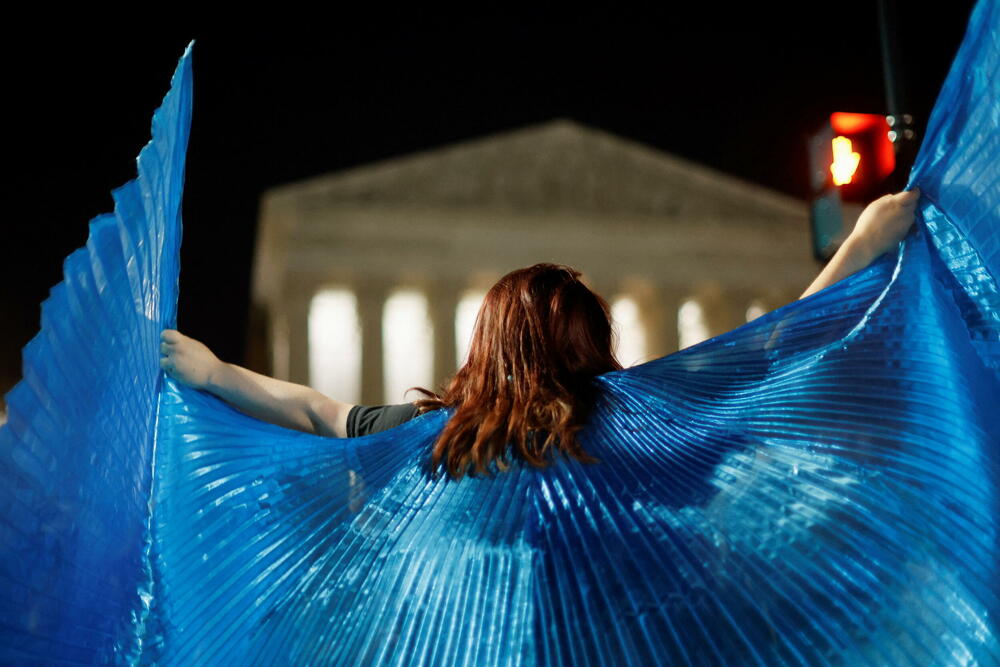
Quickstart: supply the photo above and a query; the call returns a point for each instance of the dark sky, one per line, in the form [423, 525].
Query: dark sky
[738, 91]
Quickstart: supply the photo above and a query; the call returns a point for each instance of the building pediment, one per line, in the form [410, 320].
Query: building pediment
[556, 167]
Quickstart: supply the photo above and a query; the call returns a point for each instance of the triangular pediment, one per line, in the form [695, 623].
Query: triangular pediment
[557, 166]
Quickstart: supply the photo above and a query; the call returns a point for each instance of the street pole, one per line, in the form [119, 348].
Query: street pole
[901, 123]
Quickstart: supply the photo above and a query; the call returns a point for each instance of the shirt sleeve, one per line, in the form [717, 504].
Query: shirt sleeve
[368, 419]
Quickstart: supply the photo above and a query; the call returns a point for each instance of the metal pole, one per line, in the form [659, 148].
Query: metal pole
[890, 57]
[902, 135]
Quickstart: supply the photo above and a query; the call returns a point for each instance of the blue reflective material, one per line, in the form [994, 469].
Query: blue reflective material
[818, 486]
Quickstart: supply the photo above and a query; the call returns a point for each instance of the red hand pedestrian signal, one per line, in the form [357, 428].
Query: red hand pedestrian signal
[862, 153]
[845, 161]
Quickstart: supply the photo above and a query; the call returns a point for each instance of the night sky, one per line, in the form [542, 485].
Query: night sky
[738, 91]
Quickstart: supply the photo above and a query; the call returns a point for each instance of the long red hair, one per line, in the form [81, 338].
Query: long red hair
[539, 339]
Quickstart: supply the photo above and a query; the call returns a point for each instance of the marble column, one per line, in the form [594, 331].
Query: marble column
[442, 303]
[297, 322]
[658, 308]
[371, 298]
[664, 320]
[718, 308]
[279, 341]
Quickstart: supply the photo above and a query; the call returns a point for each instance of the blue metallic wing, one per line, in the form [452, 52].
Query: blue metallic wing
[76, 453]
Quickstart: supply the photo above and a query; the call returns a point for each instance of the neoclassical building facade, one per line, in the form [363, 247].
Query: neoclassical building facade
[672, 244]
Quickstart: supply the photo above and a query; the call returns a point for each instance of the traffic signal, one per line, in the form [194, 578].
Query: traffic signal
[852, 157]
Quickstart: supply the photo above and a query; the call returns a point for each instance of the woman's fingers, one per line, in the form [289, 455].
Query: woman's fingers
[909, 198]
[885, 221]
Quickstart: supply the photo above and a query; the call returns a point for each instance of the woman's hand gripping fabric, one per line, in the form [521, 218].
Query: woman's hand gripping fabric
[885, 221]
[186, 359]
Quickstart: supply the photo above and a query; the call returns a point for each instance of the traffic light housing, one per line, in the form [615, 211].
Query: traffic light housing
[852, 157]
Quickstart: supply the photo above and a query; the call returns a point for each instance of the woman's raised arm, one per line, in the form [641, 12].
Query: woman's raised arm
[283, 403]
[880, 227]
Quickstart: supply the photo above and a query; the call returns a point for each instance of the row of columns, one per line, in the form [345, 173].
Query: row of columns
[723, 309]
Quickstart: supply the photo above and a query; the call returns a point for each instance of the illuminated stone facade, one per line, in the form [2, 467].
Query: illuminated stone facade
[635, 220]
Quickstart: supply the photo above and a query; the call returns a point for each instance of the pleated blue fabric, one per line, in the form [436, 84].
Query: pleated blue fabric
[820, 486]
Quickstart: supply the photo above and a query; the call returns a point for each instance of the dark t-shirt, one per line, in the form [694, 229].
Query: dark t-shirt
[367, 419]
